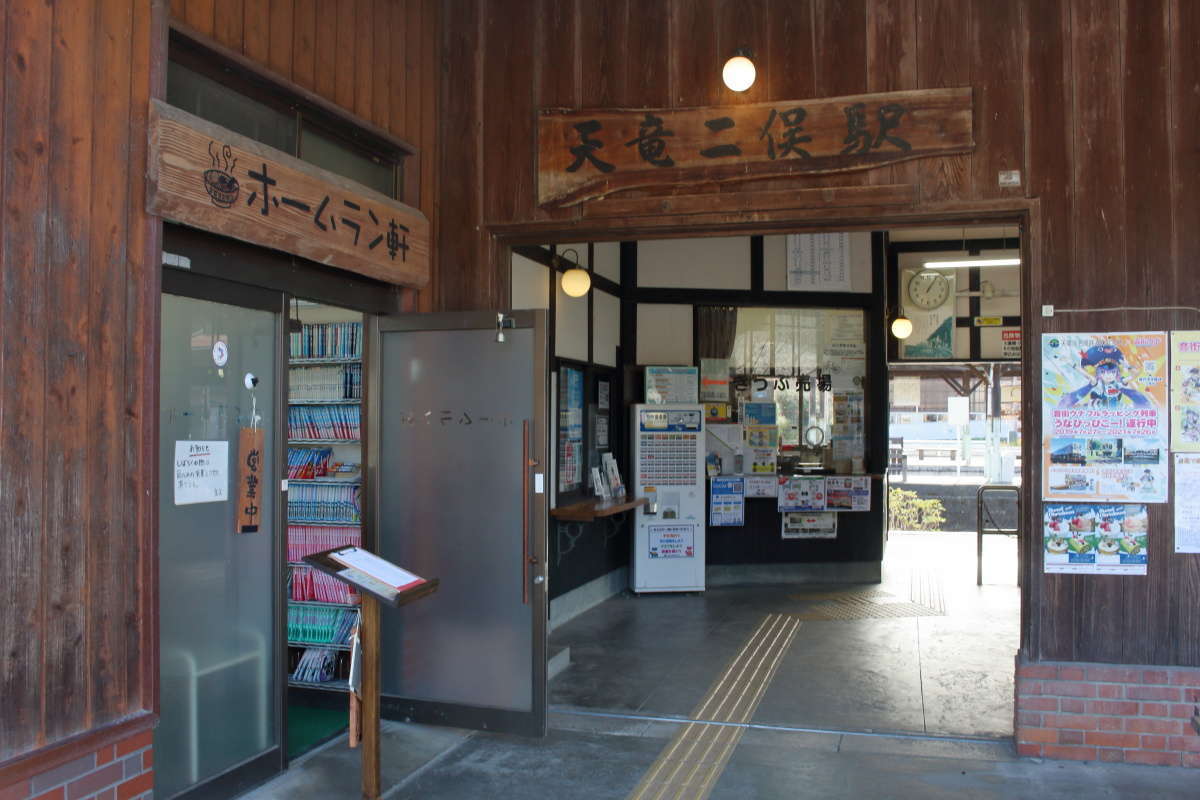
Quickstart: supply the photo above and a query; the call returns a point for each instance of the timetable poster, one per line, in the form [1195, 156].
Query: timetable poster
[1104, 417]
[1187, 502]
[727, 502]
[1185, 391]
[1095, 539]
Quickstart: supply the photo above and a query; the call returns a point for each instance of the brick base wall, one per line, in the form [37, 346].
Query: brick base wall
[1102, 712]
[121, 771]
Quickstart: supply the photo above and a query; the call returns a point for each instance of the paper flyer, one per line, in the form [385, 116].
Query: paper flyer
[762, 436]
[1187, 503]
[727, 502]
[672, 384]
[759, 461]
[809, 525]
[846, 362]
[1185, 391]
[762, 486]
[758, 413]
[848, 492]
[802, 493]
[1095, 539]
[1104, 417]
[201, 472]
[714, 380]
[671, 541]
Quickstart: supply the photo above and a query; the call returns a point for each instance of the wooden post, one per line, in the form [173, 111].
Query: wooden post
[369, 636]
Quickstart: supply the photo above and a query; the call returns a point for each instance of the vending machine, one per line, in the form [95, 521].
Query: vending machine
[668, 469]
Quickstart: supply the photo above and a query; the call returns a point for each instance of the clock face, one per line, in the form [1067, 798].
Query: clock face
[928, 289]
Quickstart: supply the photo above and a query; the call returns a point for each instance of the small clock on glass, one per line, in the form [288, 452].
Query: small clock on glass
[928, 289]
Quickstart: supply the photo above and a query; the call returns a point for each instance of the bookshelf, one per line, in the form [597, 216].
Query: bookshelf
[325, 391]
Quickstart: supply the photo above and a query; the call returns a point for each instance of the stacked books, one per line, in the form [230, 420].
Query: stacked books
[342, 382]
[306, 584]
[315, 503]
[304, 540]
[327, 340]
[316, 665]
[324, 422]
[316, 625]
[308, 462]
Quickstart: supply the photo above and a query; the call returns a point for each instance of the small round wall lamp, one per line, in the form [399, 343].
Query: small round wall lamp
[738, 72]
[902, 327]
[575, 281]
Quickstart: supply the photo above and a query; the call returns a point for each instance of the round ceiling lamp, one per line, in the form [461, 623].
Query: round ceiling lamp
[739, 72]
[902, 327]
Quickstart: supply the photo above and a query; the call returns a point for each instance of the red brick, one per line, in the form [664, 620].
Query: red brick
[148, 759]
[1042, 735]
[1114, 674]
[18, 791]
[1169, 727]
[94, 782]
[1029, 719]
[135, 743]
[1073, 705]
[53, 794]
[1101, 739]
[1037, 671]
[1152, 757]
[1110, 724]
[1079, 722]
[135, 786]
[1190, 744]
[1154, 743]
[1112, 756]
[1155, 676]
[1169, 693]
[1155, 710]
[1029, 687]
[104, 755]
[1070, 673]
[1181, 677]
[1110, 691]
[1070, 737]
[1039, 704]
[1034, 750]
[1182, 711]
[1191, 759]
[1069, 689]
[1074, 753]
[1124, 708]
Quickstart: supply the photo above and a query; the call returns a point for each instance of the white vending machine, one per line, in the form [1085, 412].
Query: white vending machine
[668, 469]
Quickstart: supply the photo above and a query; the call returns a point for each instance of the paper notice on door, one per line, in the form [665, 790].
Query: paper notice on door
[201, 472]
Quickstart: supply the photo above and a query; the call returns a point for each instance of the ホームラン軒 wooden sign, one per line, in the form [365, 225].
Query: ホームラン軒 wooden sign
[583, 155]
[208, 177]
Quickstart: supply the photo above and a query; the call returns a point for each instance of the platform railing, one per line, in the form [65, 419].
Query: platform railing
[980, 529]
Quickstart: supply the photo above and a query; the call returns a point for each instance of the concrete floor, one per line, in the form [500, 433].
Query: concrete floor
[892, 691]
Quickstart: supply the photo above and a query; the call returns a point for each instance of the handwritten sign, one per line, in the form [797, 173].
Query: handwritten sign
[211, 178]
[250, 465]
[584, 155]
[201, 472]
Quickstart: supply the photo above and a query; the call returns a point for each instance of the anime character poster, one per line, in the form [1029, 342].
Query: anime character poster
[1185, 391]
[1104, 417]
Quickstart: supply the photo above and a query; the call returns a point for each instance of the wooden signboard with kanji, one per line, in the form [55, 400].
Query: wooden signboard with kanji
[250, 491]
[208, 177]
[584, 155]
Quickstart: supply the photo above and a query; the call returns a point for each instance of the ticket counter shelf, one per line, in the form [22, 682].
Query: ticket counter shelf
[590, 510]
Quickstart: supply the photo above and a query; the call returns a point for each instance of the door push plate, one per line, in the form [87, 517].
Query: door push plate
[539, 483]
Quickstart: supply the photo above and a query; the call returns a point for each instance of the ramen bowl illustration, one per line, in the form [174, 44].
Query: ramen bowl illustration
[222, 187]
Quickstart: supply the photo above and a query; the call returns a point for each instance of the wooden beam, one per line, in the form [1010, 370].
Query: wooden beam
[368, 633]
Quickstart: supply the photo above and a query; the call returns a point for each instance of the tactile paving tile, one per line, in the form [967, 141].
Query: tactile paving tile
[854, 605]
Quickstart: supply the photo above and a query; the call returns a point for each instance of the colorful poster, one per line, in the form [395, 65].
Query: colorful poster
[714, 380]
[806, 525]
[672, 384]
[762, 436]
[801, 493]
[1185, 391]
[1011, 342]
[848, 492]
[758, 413]
[727, 502]
[762, 486]
[759, 460]
[928, 300]
[1095, 539]
[717, 412]
[1187, 503]
[671, 541]
[1104, 417]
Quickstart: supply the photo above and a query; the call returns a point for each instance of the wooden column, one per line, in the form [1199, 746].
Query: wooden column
[369, 635]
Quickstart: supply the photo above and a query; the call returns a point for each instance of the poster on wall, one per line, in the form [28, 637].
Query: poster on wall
[1187, 502]
[1010, 339]
[848, 492]
[671, 541]
[808, 525]
[762, 486]
[801, 493]
[1185, 391]
[1104, 417]
[847, 430]
[1095, 539]
[846, 363]
[758, 413]
[201, 472]
[727, 502]
[672, 384]
[570, 430]
[714, 380]
[818, 262]
[928, 300]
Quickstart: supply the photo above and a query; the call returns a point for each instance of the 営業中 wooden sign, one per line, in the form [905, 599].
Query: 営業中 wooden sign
[208, 177]
[583, 155]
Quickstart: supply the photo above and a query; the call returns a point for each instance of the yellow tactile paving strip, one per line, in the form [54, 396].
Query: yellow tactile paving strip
[688, 767]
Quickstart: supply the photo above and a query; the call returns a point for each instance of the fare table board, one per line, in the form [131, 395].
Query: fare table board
[376, 580]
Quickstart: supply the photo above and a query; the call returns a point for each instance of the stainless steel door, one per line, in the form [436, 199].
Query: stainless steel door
[457, 465]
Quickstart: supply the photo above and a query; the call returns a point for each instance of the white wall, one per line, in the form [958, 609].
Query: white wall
[530, 284]
[606, 327]
[606, 260]
[712, 263]
[664, 334]
[775, 263]
[571, 324]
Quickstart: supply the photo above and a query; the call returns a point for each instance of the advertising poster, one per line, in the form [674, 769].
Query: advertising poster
[570, 430]
[802, 525]
[1104, 417]
[759, 460]
[847, 426]
[1185, 391]
[671, 541]
[727, 502]
[762, 486]
[201, 472]
[1187, 502]
[758, 413]
[714, 380]
[717, 412]
[1011, 339]
[929, 301]
[1095, 539]
[672, 384]
[802, 493]
[848, 492]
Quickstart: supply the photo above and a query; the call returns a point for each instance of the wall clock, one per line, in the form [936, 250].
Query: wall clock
[928, 289]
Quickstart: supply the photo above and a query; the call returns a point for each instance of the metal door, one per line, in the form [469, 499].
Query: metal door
[458, 438]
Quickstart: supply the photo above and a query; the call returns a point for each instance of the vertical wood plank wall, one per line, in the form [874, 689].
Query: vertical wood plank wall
[375, 58]
[1093, 100]
[78, 366]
